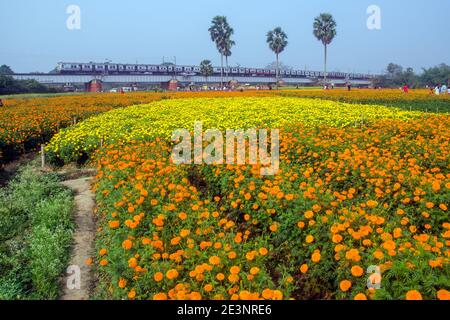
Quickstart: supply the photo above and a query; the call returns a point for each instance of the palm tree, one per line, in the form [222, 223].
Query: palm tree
[277, 41]
[221, 32]
[325, 31]
[206, 69]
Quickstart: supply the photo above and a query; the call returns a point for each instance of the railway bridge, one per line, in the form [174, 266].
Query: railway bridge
[149, 79]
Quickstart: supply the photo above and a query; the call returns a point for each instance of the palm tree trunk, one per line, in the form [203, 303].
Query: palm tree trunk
[221, 71]
[325, 66]
[278, 70]
[226, 66]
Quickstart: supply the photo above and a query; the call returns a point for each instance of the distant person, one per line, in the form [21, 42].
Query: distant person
[1, 103]
[437, 90]
[349, 86]
[405, 88]
[444, 89]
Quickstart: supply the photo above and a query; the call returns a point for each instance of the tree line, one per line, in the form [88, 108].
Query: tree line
[396, 76]
[9, 85]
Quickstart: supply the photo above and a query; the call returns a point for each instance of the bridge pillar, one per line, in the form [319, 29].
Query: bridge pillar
[94, 86]
[171, 85]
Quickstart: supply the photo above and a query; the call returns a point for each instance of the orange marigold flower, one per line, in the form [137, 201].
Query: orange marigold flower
[127, 244]
[413, 295]
[208, 287]
[316, 257]
[378, 254]
[184, 233]
[114, 224]
[304, 268]
[103, 262]
[182, 215]
[132, 263]
[372, 203]
[220, 276]
[215, 260]
[233, 278]
[254, 270]
[277, 295]
[309, 214]
[345, 285]
[360, 296]
[267, 294]
[235, 270]
[158, 276]
[122, 283]
[357, 271]
[132, 294]
[429, 205]
[443, 294]
[160, 296]
[171, 274]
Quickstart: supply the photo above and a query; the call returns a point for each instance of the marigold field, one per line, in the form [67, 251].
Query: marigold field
[364, 181]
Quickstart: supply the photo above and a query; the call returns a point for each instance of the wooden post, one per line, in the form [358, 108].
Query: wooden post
[101, 142]
[74, 120]
[42, 156]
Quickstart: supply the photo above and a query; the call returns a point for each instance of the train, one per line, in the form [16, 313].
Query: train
[187, 71]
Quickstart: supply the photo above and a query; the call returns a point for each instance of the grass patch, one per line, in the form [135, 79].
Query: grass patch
[35, 235]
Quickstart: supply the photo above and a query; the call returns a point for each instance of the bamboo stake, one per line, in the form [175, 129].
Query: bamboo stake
[42, 156]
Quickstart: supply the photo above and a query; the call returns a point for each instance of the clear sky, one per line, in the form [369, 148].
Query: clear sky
[34, 35]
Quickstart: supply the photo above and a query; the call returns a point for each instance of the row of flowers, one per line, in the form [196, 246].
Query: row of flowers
[161, 118]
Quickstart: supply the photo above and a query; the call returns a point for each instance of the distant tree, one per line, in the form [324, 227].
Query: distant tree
[325, 30]
[277, 41]
[206, 69]
[435, 75]
[8, 85]
[220, 32]
[6, 70]
[282, 66]
[394, 69]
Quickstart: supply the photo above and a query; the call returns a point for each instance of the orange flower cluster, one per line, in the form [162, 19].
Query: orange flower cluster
[345, 199]
[26, 123]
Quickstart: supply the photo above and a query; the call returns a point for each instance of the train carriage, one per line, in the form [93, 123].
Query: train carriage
[111, 68]
[86, 67]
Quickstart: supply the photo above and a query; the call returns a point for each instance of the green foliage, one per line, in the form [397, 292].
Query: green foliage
[35, 235]
[5, 70]
[395, 76]
[206, 69]
[8, 85]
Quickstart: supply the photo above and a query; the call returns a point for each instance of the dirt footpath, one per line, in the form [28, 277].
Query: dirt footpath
[83, 242]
